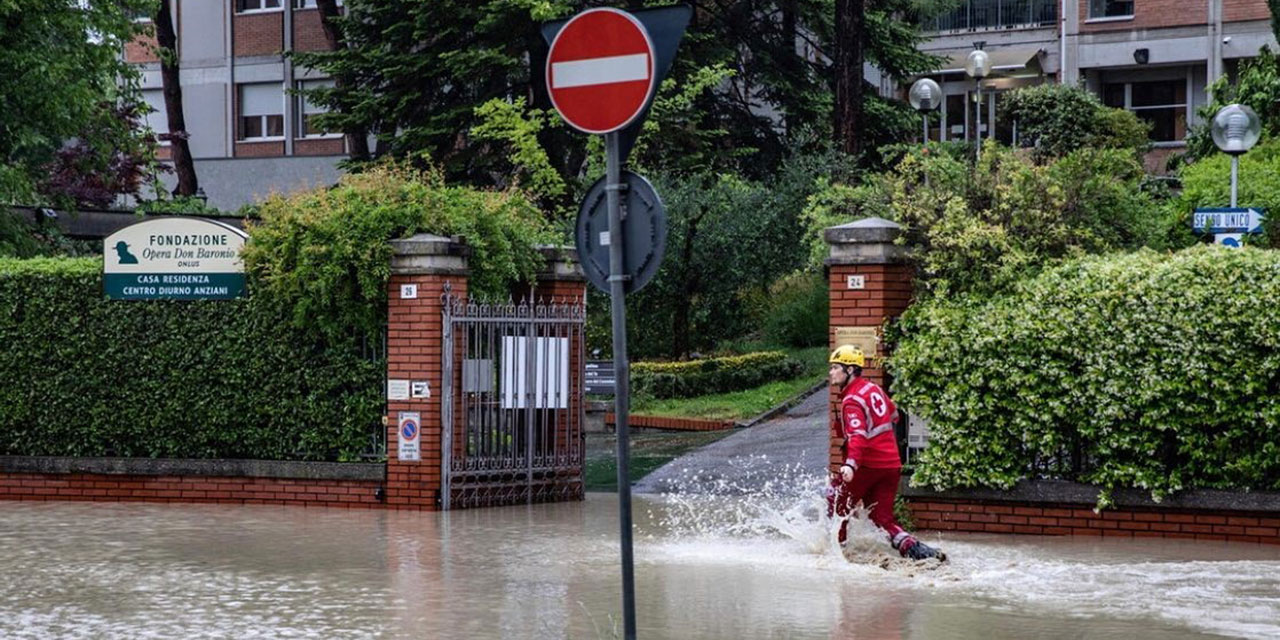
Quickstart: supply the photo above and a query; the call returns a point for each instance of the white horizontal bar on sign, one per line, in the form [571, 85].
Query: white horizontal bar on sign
[591, 71]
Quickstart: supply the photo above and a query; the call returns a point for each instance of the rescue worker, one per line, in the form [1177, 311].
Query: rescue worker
[871, 466]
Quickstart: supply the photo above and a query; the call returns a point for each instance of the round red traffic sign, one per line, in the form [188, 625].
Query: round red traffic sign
[600, 72]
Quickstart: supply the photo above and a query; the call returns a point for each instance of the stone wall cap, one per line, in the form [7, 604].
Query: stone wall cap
[1066, 492]
[429, 244]
[193, 467]
[874, 222]
[872, 230]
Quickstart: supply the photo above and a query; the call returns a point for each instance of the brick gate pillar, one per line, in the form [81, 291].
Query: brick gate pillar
[869, 282]
[421, 266]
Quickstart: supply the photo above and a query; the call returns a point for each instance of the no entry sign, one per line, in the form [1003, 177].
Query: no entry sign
[600, 70]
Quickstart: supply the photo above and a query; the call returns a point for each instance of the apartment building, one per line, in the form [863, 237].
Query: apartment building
[249, 136]
[1153, 57]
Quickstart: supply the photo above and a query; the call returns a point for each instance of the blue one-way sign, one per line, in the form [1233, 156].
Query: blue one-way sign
[1228, 220]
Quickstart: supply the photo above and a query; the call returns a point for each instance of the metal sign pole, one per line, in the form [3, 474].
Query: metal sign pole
[621, 372]
[1235, 172]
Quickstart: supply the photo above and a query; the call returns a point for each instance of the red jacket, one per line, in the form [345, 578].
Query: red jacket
[867, 416]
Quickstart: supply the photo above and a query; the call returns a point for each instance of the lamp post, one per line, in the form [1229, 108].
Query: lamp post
[977, 66]
[1235, 129]
[925, 96]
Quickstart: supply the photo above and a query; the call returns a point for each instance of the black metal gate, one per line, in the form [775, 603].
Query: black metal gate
[512, 402]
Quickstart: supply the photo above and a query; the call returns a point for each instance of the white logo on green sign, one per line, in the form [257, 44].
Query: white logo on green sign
[174, 259]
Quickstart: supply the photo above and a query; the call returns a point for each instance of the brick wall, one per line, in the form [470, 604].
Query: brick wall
[1245, 10]
[308, 34]
[259, 149]
[1080, 520]
[673, 424]
[1156, 160]
[1152, 14]
[258, 34]
[215, 489]
[414, 353]
[319, 147]
[141, 49]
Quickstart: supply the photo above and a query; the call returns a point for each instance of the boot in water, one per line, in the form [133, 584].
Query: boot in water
[922, 551]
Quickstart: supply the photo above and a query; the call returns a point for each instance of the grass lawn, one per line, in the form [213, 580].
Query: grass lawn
[735, 405]
[648, 452]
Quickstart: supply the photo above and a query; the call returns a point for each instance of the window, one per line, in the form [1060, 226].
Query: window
[261, 111]
[1110, 9]
[243, 6]
[158, 118]
[307, 110]
[1162, 103]
[308, 4]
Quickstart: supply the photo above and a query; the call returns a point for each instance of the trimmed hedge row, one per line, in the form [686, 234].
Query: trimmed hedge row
[712, 375]
[1147, 370]
[84, 376]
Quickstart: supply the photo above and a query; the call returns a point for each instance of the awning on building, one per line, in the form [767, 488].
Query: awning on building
[1004, 62]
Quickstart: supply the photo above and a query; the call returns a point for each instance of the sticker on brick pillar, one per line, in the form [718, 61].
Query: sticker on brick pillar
[397, 389]
[856, 282]
[866, 339]
[408, 436]
[421, 389]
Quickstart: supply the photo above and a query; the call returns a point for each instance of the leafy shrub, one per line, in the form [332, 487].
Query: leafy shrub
[1207, 183]
[1060, 119]
[711, 375]
[797, 310]
[325, 254]
[1147, 370]
[85, 376]
[1257, 85]
[981, 231]
[728, 240]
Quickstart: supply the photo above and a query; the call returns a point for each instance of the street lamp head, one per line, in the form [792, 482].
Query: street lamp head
[925, 95]
[977, 65]
[1235, 129]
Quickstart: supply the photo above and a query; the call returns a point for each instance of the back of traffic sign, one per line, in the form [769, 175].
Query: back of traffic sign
[644, 232]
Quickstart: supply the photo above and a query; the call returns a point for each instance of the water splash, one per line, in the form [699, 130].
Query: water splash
[764, 508]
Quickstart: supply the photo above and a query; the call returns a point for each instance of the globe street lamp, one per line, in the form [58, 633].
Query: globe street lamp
[977, 66]
[925, 96]
[1235, 129]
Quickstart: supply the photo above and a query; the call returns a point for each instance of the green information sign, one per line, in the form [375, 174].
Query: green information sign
[174, 259]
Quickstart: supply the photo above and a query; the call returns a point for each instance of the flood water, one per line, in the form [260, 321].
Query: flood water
[706, 568]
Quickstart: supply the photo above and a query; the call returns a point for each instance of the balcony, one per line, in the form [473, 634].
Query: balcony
[984, 15]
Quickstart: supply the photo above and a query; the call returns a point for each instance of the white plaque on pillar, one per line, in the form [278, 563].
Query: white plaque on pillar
[857, 282]
[408, 291]
[397, 389]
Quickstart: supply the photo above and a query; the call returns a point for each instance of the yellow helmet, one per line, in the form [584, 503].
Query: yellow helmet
[848, 355]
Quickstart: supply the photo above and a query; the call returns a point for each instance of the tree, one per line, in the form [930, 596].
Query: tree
[63, 83]
[850, 86]
[357, 137]
[1257, 85]
[183, 165]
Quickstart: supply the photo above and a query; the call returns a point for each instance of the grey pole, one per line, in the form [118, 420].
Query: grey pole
[621, 373]
[1235, 171]
[977, 127]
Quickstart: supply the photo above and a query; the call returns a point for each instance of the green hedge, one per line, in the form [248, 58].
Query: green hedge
[1146, 370]
[83, 376]
[711, 375]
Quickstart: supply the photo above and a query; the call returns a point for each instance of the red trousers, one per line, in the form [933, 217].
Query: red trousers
[876, 489]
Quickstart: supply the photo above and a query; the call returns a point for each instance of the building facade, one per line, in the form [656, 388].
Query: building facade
[249, 137]
[1153, 57]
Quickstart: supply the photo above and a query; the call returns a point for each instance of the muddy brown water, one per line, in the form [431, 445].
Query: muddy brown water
[706, 568]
